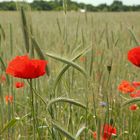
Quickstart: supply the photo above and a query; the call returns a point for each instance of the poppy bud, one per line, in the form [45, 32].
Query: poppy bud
[109, 68]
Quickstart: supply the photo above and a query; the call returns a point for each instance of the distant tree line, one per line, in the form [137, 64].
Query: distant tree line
[57, 5]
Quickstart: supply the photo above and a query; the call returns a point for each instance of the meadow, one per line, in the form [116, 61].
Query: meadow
[87, 60]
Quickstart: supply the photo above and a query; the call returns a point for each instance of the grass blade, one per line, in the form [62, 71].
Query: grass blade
[63, 131]
[59, 27]
[70, 101]
[4, 69]
[11, 39]
[39, 53]
[131, 101]
[25, 30]
[69, 62]
[80, 131]
[12, 122]
[134, 37]
[64, 69]
[2, 32]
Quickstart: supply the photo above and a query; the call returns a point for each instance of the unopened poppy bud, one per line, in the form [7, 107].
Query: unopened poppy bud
[109, 68]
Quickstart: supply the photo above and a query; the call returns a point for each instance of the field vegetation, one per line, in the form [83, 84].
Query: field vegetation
[87, 60]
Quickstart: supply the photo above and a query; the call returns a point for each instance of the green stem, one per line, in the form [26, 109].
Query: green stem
[33, 110]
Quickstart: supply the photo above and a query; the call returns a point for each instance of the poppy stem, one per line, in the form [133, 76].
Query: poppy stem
[33, 110]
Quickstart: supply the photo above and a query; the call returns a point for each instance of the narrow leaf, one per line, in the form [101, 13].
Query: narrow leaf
[39, 53]
[2, 32]
[134, 37]
[80, 131]
[70, 101]
[64, 60]
[59, 27]
[131, 101]
[4, 69]
[25, 30]
[63, 131]
[10, 124]
[64, 69]
[11, 39]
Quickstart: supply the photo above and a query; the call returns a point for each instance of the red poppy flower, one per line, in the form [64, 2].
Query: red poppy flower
[26, 68]
[133, 107]
[126, 87]
[3, 78]
[109, 131]
[134, 56]
[135, 94]
[8, 99]
[98, 53]
[19, 84]
[136, 84]
[94, 135]
[82, 59]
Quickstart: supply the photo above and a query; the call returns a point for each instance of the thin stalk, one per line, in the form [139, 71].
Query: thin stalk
[2, 104]
[86, 114]
[33, 105]
[35, 92]
[11, 40]
[33, 110]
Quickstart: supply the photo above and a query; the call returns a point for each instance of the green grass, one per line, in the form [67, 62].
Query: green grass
[67, 102]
